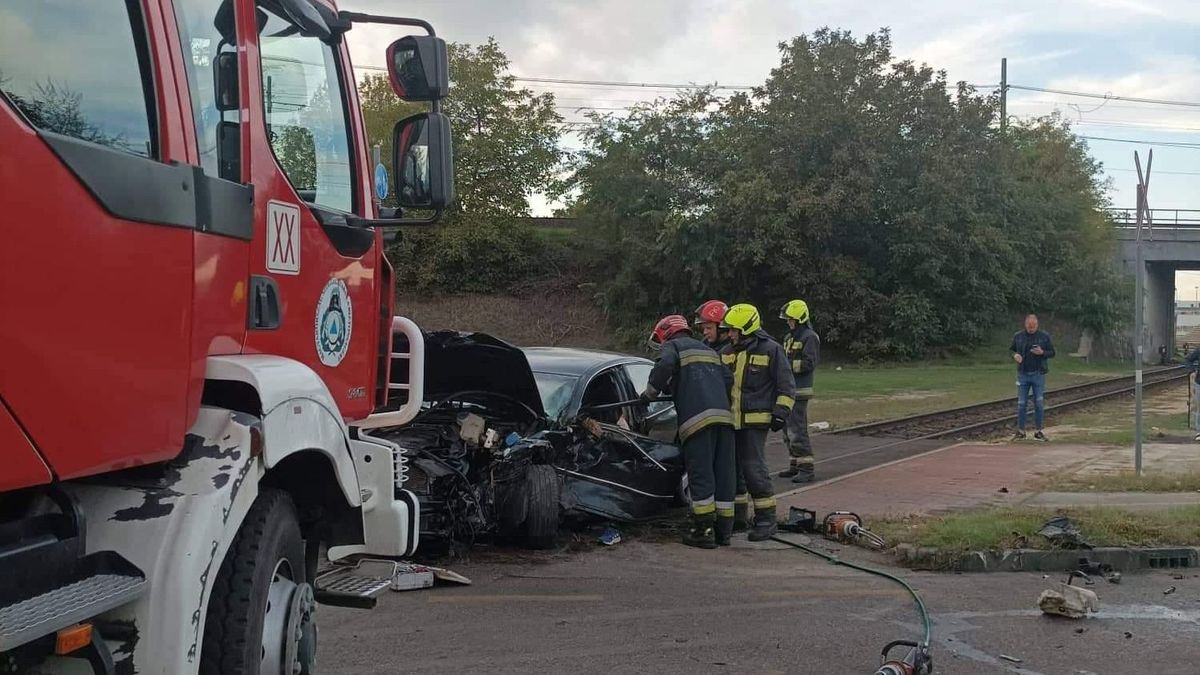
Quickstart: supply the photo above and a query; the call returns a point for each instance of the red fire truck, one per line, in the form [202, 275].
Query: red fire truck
[198, 328]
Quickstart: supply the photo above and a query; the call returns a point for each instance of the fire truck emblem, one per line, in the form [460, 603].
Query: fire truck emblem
[334, 319]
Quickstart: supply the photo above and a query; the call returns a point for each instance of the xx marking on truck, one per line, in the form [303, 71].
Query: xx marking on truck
[283, 238]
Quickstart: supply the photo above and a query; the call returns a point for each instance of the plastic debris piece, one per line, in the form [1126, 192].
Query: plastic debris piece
[1113, 577]
[1003, 489]
[610, 536]
[1072, 602]
[1169, 591]
[800, 520]
[1063, 533]
[1128, 635]
[820, 426]
[1081, 630]
[1011, 659]
[442, 574]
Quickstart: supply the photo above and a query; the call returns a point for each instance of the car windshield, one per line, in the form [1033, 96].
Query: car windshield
[556, 391]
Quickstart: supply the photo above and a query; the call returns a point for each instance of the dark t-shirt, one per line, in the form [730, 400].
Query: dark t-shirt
[1023, 344]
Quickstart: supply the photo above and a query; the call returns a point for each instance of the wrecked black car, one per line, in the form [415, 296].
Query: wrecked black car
[503, 453]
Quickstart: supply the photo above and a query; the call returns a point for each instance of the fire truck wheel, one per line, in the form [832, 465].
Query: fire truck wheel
[261, 611]
[541, 520]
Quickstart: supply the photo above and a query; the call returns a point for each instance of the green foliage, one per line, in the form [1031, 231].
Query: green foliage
[887, 199]
[505, 148]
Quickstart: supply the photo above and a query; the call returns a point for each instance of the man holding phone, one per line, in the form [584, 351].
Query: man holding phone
[1031, 349]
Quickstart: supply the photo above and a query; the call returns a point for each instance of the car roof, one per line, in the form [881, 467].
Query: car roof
[573, 361]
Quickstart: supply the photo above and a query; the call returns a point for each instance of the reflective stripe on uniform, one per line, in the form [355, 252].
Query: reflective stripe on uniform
[764, 503]
[804, 392]
[689, 356]
[743, 498]
[702, 419]
[725, 509]
[760, 359]
[797, 366]
[756, 418]
[785, 401]
[703, 506]
[739, 371]
[728, 359]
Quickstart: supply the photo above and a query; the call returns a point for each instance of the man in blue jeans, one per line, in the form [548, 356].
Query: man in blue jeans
[1031, 349]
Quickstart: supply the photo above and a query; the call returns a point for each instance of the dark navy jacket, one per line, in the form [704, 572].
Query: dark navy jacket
[1023, 342]
[694, 376]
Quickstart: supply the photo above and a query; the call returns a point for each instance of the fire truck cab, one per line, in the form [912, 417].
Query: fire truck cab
[198, 328]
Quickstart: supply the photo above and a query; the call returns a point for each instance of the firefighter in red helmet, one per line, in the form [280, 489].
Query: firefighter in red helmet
[699, 384]
[708, 318]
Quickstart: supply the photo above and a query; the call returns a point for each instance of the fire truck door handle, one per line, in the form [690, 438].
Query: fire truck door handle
[264, 307]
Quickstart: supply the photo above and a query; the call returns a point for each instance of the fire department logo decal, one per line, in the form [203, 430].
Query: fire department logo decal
[334, 319]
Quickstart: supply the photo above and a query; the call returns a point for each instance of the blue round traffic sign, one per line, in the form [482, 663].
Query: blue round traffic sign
[381, 181]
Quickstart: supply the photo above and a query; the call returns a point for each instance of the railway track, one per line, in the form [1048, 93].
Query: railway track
[983, 418]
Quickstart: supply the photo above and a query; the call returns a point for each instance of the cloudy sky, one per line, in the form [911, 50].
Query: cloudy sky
[1146, 49]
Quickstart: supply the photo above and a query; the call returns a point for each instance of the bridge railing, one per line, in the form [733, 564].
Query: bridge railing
[1166, 218]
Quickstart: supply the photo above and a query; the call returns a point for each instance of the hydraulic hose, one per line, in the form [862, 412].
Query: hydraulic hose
[926, 624]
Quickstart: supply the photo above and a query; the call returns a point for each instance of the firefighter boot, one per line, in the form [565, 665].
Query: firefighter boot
[703, 532]
[724, 530]
[741, 516]
[764, 525]
[792, 470]
[803, 470]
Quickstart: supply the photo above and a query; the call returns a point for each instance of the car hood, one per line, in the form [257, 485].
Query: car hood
[457, 361]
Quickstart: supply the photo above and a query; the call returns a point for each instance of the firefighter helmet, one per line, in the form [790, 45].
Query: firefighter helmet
[711, 312]
[666, 328]
[743, 318]
[797, 310]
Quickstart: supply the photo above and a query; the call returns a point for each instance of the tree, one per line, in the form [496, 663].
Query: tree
[869, 186]
[505, 149]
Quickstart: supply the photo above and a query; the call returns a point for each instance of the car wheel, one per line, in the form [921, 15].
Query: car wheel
[543, 490]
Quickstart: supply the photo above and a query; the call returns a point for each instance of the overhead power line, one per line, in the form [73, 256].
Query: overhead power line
[648, 85]
[1166, 144]
[1111, 97]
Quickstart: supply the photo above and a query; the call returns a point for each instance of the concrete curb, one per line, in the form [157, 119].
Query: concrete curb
[1034, 560]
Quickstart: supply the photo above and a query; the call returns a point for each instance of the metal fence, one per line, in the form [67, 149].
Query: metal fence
[1158, 217]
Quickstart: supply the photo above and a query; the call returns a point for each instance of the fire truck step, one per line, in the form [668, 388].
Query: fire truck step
[65, 606]
[356, 585]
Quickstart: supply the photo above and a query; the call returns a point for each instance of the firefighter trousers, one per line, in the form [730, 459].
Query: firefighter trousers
[709, 457]
[752, 464]
[795, 434]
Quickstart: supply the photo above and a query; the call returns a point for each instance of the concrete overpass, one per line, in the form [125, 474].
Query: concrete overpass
[1172, 243]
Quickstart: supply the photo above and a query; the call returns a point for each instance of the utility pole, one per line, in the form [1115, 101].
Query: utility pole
[1003, 94]
[1143, 212]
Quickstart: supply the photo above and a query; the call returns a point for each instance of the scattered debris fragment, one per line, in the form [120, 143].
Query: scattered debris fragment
[1128, 635]
[1011, 659]
[1069, 601]
[448, 576]
[1063, 533]
[610, 536]
[1003, 489]
[1169, 591]
[1177, 577]
[1113, 577]
[820, 426]
[1081, 630]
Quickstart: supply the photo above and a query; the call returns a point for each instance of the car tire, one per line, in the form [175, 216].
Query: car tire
[268, 541]
[543, 492]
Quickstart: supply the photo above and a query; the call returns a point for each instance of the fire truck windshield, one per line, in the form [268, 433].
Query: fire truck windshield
[306, 115]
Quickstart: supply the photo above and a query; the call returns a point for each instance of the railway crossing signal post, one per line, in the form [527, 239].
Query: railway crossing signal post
[1143, 219]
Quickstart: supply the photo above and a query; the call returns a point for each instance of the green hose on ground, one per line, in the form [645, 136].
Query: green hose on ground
[834, 560]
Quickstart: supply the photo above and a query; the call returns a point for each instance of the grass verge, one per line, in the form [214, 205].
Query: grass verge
[1126, 481]
[997, 529]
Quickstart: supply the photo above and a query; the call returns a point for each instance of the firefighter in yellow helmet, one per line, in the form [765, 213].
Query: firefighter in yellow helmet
[760, 400]
[803, 348]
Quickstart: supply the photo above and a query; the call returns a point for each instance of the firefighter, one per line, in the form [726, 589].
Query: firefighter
[803, 348]
[693, 375]
[708, 317]
[760, 400]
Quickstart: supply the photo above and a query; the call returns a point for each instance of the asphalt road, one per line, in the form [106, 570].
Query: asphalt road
[642, 607]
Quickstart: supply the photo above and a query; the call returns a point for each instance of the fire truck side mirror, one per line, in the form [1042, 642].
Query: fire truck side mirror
[419, 68]
[423, 161]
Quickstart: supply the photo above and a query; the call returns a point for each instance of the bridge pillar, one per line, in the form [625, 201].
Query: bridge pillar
[1159, 308]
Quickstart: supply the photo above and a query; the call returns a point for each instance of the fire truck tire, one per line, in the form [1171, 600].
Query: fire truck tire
[268, 541]
[543, 493]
